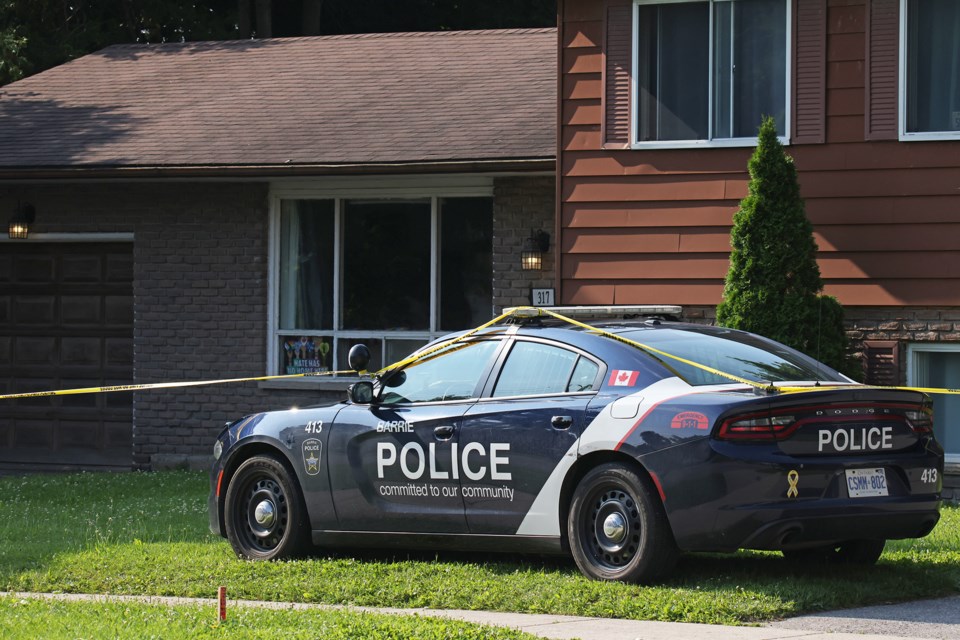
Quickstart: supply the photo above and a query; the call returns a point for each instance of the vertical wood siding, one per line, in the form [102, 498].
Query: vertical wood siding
[652, 226]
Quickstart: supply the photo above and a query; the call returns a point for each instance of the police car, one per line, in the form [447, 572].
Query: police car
[621, 442]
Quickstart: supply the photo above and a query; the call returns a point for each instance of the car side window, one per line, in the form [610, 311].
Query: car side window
[451, 374]
[534, 368]
[584, 376]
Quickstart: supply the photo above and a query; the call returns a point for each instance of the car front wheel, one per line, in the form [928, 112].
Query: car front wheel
[264, 514]
[617, 527]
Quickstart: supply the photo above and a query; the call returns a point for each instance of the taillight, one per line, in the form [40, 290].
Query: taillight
[920, 421]
[758, 427]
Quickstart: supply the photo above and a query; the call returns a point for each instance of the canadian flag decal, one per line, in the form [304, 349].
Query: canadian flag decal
[621, 378]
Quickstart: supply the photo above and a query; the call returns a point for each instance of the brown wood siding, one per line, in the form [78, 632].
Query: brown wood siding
[652, 226]
[882, 63]
[618, 55]
[810, 81]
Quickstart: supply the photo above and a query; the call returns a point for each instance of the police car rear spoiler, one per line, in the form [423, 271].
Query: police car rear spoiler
[666, 311]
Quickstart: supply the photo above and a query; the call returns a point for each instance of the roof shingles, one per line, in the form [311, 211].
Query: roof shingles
[334, 100]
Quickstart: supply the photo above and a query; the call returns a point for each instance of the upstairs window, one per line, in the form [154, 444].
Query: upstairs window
[932, 69]
[707, 72]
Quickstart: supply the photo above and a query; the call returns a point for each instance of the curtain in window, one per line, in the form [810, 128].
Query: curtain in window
[306, 264]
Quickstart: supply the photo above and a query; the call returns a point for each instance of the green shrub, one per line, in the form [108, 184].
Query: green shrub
[773, 285]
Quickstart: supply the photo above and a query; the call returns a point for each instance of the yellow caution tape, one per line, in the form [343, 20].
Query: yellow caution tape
[163, 385]
[525, 312]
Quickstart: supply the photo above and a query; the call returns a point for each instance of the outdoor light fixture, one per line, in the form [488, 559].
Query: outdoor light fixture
[23, 217]
[531, 258]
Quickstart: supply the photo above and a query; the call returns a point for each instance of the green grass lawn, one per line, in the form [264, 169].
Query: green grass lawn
[29, 619]
[147, 534]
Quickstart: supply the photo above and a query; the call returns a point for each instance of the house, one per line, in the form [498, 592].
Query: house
[222, 210]
[659, 105]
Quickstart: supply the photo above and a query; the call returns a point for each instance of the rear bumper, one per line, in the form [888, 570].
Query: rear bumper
[756, 497]
[817, 524]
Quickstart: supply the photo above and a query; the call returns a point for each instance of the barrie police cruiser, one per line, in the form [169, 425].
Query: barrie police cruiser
[544, 436]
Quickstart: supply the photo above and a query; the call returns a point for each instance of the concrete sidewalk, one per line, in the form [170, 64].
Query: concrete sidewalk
[934, 619]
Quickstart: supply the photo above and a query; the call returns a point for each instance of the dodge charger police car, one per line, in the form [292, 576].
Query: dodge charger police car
[536, 435]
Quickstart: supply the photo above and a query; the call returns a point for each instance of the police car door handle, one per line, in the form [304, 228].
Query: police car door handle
[561, 422]
[443, 432]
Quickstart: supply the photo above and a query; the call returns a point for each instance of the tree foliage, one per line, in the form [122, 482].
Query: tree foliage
[38, 34]
[773, 285]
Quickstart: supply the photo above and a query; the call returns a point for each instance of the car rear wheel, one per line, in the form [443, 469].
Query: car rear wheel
[617, 527]
[861, 552]
[264, 514]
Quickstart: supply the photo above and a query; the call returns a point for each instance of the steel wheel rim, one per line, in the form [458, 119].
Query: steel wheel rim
[608, 545]
[259, 533]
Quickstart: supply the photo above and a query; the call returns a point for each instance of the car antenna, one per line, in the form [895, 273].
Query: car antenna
[819, 330]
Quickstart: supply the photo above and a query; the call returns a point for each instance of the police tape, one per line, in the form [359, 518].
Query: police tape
[199, 383]
[522, 312]
[767, 387]
[164, 385]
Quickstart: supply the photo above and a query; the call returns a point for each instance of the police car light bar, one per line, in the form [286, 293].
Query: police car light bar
[605, 311]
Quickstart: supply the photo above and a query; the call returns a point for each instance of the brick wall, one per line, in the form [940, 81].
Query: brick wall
[520, 205]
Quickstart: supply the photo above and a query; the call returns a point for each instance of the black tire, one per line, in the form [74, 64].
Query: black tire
[264, 513]
[617, 527]
[855, 552]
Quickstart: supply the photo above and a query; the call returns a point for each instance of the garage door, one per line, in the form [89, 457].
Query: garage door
[66, 321]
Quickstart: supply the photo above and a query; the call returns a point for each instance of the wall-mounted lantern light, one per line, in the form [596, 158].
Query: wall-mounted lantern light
[23, 217]
[531, 258]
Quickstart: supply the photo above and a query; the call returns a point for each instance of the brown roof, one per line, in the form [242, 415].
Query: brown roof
[292, 103]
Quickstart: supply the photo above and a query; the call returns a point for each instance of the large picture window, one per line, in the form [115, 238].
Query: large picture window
[708, 72]
[932, 68]
[392, 273]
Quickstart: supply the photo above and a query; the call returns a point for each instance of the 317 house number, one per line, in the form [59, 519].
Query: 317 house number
[541, 297]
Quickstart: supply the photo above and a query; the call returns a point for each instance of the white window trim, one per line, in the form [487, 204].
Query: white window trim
[717, 143]
[914, 349]
[366, 188]
[906, 136]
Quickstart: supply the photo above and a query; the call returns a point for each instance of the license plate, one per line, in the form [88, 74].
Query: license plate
[863, 483]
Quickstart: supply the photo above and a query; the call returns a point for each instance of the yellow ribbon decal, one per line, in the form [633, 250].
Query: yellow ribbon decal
[793, 478]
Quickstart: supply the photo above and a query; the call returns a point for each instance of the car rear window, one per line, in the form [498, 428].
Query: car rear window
[741, 354]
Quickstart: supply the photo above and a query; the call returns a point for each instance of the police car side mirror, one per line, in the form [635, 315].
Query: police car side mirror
[359, 357]
[361, 392]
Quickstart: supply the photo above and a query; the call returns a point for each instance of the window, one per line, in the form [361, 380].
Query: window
[391, 273]
[533, 368]
[938, 366]
[930, 72]
[707, 72]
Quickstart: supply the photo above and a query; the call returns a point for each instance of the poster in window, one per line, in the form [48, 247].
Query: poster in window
[305, 354]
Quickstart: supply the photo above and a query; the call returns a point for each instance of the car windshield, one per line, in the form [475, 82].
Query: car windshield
[741, 354]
